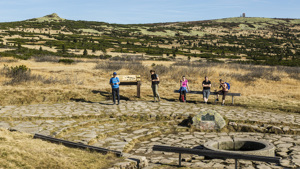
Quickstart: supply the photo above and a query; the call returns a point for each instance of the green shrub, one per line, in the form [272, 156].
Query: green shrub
[18, 74]
[66, 61]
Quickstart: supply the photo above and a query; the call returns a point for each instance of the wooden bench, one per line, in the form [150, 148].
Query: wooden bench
[216, 154]
[131, 80]
[212, 93]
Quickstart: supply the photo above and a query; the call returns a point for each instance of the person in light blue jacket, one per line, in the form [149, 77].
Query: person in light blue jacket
[114, 82]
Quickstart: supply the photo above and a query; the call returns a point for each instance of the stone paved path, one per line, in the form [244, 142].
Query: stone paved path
[134, 127]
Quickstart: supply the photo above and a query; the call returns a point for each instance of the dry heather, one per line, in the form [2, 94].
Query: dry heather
[273, 88]
[19, 150]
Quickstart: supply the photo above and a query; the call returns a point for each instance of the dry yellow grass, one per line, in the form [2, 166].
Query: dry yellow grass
[19, 150]
[84, 81]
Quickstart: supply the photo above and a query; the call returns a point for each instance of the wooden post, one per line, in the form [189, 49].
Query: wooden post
[215, 97]
[138, 91]
[236, 163]
[232, 100]
[179, 159]
[138, 85]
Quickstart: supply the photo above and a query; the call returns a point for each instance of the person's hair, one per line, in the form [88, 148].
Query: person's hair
[152, 71]
[183, 76]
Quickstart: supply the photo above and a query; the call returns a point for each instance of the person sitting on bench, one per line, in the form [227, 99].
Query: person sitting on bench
[206, 84]
[224, 91]
[184, 87]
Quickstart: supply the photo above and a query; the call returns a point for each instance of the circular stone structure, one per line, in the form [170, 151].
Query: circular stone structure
[243, 146]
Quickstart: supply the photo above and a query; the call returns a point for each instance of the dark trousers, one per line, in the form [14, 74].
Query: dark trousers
[114, 92]
[183, 92]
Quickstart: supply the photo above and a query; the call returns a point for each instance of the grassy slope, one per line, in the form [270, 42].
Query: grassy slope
[85, 82]
[19, 150]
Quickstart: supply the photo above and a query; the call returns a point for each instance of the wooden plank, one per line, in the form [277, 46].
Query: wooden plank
[76, 145]
[211, 93]
[127, 78]
[128, 83]
[217, 154]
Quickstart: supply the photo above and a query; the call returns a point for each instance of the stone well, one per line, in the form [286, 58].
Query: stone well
[243, 146]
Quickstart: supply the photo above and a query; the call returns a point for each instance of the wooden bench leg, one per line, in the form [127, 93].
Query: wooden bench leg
[232, 100]
[179, 159]
[236, 163]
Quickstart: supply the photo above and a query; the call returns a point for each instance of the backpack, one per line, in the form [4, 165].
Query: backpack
[157, 82]
[228, 85]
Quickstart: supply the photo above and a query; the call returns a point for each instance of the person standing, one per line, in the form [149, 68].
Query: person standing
[154, 84]
[184, 87]
[206, 84]
[114, 82]
[224, 91]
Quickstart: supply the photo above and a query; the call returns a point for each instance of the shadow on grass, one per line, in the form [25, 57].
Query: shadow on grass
[81, 100]
[108, 95]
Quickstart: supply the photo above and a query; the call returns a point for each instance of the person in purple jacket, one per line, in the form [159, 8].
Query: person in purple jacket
[114, 82]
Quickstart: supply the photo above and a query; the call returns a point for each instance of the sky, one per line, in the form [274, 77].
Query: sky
[147, 11]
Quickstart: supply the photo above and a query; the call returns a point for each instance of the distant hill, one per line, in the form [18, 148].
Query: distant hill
[49, 18]
[247, 40]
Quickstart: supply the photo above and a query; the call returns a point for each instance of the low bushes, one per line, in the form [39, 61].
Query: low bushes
[22, 74]
[66, 61]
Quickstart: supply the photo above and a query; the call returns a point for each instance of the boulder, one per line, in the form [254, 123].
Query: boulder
[208, 120]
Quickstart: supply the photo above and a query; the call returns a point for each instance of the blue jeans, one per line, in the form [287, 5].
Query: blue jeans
[206, 93]
[114, 92]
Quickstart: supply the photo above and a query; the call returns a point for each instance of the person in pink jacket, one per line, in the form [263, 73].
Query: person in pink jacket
[184, 88]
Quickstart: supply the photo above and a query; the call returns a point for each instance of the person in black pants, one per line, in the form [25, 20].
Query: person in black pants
[114, 82]
[154, 84]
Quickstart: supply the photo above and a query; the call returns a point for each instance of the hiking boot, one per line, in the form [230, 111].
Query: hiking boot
[217, 100]
[222, 104]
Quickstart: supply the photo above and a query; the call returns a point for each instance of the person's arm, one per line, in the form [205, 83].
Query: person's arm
[187, 86]
[110, 82]
[209, 85]
[224, 86]
[118, 80]
[205, 85]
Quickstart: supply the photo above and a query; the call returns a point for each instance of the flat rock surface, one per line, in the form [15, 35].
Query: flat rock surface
[133, 127]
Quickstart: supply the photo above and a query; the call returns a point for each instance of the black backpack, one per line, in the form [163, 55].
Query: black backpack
[156, 82]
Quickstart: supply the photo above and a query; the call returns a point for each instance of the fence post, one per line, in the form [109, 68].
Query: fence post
[236, 163]
[179, 159]
[138, 92]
